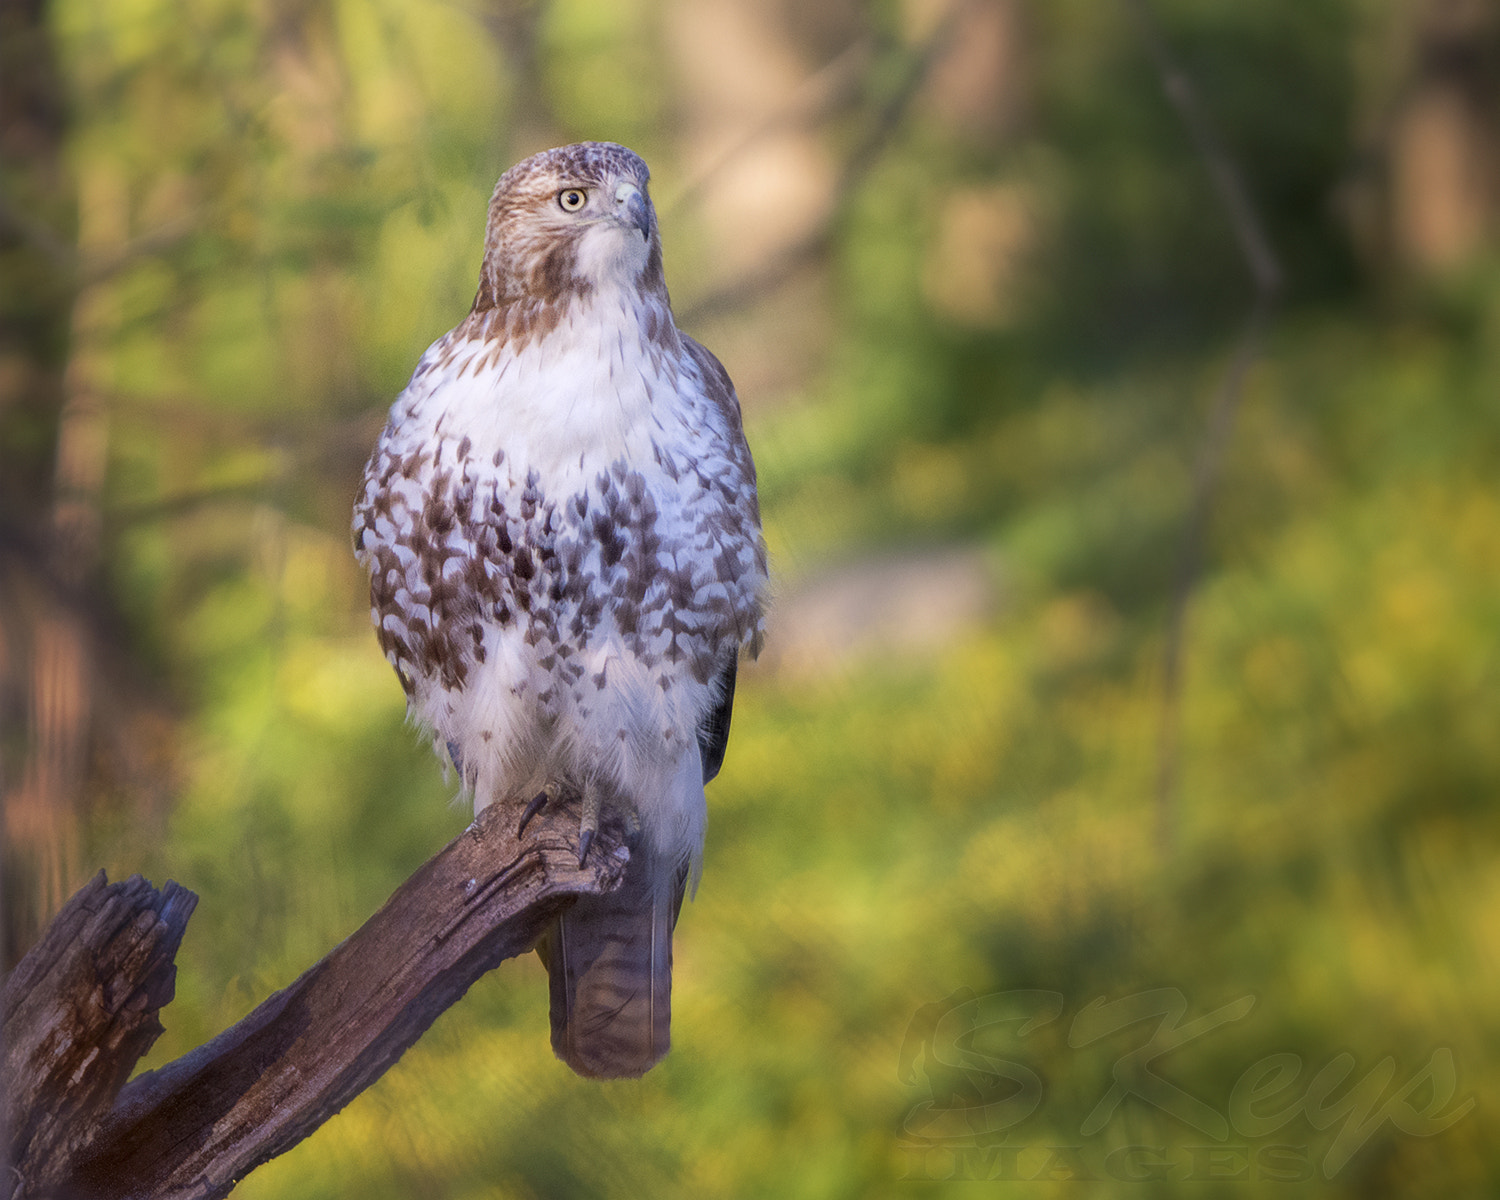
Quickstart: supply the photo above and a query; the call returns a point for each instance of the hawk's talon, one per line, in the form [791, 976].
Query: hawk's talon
[537, 803]
[549, 792]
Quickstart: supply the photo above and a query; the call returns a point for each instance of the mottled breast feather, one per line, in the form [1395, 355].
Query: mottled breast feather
[663, 557]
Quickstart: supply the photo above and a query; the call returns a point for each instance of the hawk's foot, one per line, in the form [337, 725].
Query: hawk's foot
[588, 821]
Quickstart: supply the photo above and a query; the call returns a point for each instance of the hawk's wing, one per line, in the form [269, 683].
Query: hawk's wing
[713, 734]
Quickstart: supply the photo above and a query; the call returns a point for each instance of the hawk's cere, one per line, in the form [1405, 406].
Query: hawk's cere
[563, 540]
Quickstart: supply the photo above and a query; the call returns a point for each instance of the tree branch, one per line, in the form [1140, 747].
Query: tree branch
[757, 282]
[812, 101]
[80, 1010]
[1266, 276]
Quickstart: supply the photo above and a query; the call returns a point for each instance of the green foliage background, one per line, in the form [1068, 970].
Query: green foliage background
[982, 817]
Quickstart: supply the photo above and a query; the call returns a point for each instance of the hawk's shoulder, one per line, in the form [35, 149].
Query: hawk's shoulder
[718, 388]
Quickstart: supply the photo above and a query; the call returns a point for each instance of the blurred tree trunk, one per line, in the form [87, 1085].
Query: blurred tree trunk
[43, 688]
[1445, 141]
[515, 26]
[48, 802]
[53, 461]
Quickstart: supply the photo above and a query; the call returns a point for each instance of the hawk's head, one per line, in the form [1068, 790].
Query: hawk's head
[568, 222]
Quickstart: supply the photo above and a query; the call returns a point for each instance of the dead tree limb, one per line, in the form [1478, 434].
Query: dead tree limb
[80, 1010]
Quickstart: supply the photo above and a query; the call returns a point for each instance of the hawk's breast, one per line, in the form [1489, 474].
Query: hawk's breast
[579, 505]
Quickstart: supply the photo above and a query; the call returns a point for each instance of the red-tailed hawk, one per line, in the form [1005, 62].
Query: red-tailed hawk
[563, 540]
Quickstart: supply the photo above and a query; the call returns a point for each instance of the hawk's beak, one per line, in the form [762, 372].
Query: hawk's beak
[630, 207]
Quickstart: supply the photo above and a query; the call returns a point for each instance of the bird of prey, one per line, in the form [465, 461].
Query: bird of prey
[562, 535]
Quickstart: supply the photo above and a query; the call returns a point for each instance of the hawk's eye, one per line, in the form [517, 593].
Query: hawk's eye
[572, 199]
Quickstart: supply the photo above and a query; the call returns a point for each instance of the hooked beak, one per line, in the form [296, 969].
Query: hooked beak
[630, 207]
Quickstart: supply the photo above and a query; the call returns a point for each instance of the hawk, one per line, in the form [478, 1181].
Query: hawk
[563, 540]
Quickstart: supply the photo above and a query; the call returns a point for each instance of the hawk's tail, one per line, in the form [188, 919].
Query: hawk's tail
[609, 959]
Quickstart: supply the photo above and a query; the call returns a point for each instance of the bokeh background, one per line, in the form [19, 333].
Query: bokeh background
[982, 299]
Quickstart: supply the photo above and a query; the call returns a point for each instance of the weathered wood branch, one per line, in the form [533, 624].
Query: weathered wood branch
[80, 1010]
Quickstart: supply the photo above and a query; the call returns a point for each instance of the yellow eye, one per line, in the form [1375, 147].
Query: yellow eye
[572, 199]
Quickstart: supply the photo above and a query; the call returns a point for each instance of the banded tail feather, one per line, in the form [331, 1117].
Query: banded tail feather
[609, 962]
